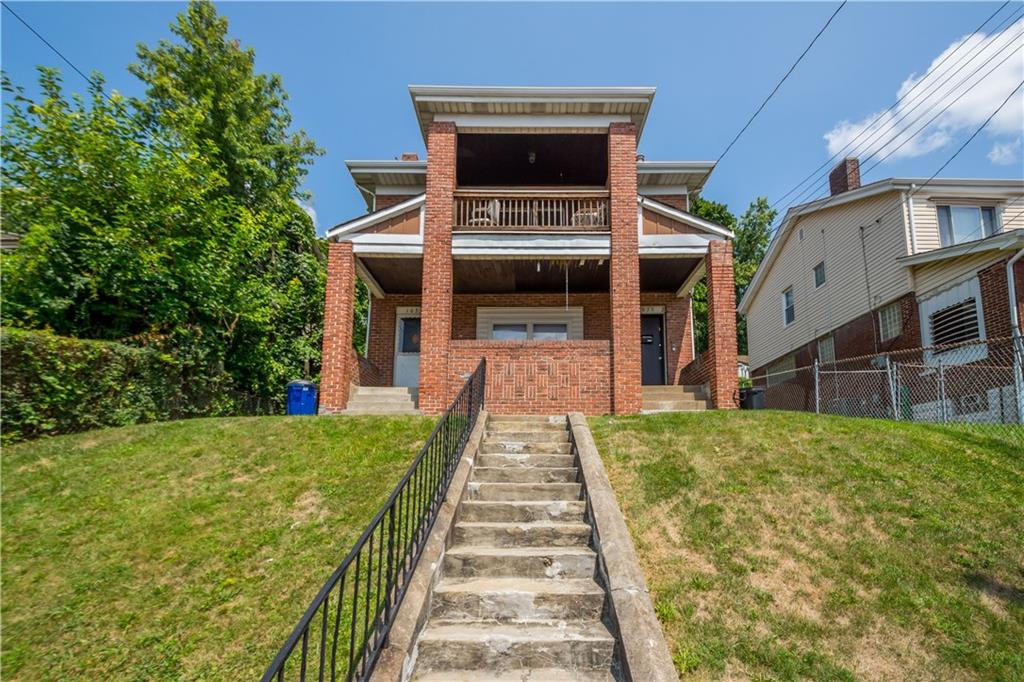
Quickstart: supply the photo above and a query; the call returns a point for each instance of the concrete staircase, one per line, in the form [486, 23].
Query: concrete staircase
[517, 597]
[674, 399]
[381, 400]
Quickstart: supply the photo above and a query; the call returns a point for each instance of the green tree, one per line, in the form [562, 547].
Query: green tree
[753, 232]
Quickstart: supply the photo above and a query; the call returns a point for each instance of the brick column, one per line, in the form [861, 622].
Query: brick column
[723, 375]
[436, 305]
[339, 310]
[625, 269]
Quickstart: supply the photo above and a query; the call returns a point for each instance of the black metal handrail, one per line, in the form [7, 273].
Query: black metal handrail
[343, 631]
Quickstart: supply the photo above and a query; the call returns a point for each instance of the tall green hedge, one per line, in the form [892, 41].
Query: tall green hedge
[53, 384]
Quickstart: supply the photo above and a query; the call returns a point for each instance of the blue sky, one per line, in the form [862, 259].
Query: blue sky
[347, 65]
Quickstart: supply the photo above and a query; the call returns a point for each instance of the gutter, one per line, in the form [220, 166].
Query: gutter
[908, 199]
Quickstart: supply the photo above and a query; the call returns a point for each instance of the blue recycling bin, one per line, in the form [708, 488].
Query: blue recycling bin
[301, 397]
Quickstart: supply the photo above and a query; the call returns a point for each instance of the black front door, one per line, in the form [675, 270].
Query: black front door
[652, 350]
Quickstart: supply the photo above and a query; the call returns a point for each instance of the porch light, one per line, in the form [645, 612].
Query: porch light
[531, 156]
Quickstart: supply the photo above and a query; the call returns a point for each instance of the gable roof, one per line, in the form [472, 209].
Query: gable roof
[976, 187]
[371, 219]
[685, 217]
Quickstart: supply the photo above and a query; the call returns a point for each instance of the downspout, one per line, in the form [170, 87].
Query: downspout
[373, 205]
[908, 199]
[1018, 343]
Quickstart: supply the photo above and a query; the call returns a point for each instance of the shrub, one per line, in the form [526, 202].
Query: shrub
[53, 384]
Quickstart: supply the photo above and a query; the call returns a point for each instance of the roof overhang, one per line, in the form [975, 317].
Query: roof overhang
[977, 188]
[1004, 241]
[368, 176]
[691, 175]
[686, 218]
[442, 102]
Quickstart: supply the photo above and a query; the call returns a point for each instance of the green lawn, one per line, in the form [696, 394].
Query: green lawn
[786, 546]
[182, 550]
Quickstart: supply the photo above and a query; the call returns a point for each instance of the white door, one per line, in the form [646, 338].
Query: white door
[407, 347]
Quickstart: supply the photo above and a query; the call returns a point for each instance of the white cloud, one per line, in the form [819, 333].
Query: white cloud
[307, 206]
[983, 81]
[1005, 153]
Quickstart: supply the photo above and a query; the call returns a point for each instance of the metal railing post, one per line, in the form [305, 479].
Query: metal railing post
[890, 373]
[1018, 375]
[817, 387]
[942, 393]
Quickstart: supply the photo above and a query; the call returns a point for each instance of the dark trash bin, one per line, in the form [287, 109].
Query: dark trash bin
[301, 397]
[752, 398]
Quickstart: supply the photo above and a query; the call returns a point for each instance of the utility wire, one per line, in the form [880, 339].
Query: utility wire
[1012, 49]
[893, 105]
[774, 90]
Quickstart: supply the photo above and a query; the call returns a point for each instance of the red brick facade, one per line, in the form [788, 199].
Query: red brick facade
[336, 364]
[721, 354]
[382, 201]
[436, 324]
[625, 269]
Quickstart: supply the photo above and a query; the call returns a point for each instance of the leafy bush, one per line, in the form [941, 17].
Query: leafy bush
[54, 384]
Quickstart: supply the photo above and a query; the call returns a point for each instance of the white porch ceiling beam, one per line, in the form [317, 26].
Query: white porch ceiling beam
[368, 279]
[691, 281]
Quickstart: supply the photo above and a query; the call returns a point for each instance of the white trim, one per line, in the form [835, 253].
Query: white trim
[372, 219]
[684, 217]
[693, 337]
[663, 190]
[469, 245]
[652, 310]
[782, 300]
[423, 218]
[400, 314]
[399, 190]
[1014, 239]
[668, 245]
[691, 281]
[369, 280]
[595, 121]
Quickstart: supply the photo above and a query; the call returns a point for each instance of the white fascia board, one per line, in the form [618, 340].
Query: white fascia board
[1014, 239]
[399, 190]
[685, 218]
[530, 245]
[371, 219]
[662, 190]
[672, 251]
[387, 166]
[595, 121]
[388, 250]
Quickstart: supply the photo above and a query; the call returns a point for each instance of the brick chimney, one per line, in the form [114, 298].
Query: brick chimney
[410, 156]
[845, 176]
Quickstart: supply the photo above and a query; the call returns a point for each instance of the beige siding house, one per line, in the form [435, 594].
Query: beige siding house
[848, 275]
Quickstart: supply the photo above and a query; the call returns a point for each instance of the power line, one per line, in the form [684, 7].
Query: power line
[893, 105]
[774, 90]
[866, 145]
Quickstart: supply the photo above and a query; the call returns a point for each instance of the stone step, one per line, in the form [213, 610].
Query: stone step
[517, 459]
[561, 436]
[373, 401]
[672, 390]
[383, 390]
[512, 427]
[517, 599]
[364, 412]
[525, 448]
[523, 562]
[519, 675]
[522, 511]
[532, 534]
[501, 648]
[674, 405]
[552, 419]
[509, 492]
[525, 474]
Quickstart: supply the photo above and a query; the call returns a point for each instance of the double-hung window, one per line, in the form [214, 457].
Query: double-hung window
[819, 275]
[788, 309]
[959, 223]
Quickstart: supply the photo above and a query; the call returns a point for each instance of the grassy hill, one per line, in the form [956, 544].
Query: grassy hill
[784, 546]
[182, 550]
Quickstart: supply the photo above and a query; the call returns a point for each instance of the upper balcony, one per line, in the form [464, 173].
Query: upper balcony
[530, 210]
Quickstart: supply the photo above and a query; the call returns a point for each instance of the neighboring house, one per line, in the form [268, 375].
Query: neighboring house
[896, 264]
[533, 236]
[743, 366]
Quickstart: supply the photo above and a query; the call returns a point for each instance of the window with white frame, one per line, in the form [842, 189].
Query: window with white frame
[960, 223]
[788, 310]
[819, 275]
[826, 349]
[890, 322]
[522, 324]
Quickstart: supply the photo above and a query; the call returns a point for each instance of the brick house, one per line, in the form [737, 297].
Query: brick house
[887, 267]
[536, 237]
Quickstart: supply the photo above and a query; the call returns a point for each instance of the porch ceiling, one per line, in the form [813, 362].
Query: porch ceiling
[532, 276]
[396, 275]
[665, 274]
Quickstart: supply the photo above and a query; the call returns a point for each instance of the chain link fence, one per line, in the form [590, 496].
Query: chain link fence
[978, 383]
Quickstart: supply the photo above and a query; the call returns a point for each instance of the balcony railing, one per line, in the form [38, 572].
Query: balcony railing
[531, 210]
